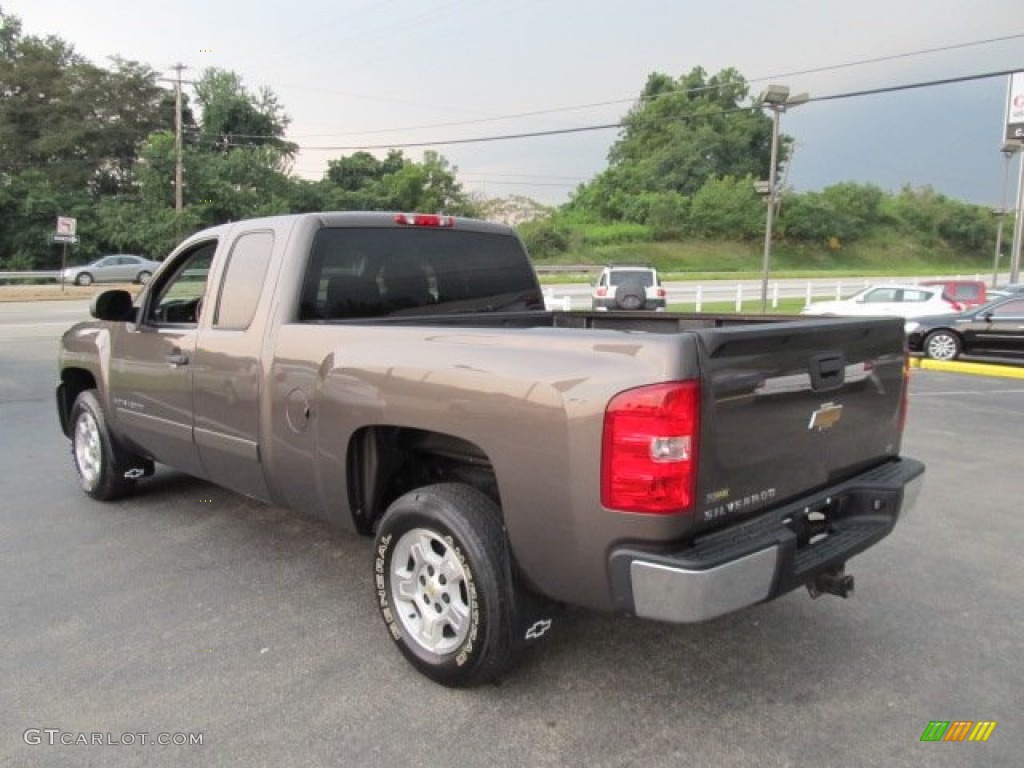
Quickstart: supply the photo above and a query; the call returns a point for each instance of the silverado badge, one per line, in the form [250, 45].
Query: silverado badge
[826, 417]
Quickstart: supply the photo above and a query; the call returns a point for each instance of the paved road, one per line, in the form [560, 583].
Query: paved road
[189, 609]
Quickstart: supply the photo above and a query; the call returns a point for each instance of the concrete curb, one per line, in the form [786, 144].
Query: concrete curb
[977, 369]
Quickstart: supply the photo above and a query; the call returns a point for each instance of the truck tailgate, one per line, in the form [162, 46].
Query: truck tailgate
[792, 407]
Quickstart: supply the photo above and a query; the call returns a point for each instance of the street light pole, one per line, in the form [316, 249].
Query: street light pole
[1007, 150]
[777, 99]
[1018, 227]
[770, 216]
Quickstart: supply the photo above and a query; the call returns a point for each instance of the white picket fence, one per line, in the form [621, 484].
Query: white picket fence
[741, 295]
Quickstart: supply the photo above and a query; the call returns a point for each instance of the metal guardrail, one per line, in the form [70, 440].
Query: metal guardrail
[38, 275]
[566, 269]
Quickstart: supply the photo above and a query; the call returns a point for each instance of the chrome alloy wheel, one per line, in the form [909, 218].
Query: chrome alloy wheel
[88, 448]
[942, 346]
[430, 590]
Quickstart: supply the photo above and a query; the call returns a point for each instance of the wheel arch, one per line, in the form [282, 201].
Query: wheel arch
[73, 382]
[385, 462]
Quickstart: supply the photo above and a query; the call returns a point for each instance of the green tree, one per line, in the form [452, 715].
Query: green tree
[681, 133]
[232, 116]
[362, 182]
[727, 207]
[70, 133]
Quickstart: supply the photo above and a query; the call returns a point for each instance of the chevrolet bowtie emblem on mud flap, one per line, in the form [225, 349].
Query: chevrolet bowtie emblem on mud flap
[826, 417]
[538, 630]
[132, 474]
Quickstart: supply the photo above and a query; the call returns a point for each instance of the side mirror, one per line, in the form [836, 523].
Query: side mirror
[986, 316]
[113, 306]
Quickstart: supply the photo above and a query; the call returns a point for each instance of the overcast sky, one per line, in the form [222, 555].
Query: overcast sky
[354, 74]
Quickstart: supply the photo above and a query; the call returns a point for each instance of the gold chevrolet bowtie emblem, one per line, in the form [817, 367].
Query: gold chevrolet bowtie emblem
[826, 417]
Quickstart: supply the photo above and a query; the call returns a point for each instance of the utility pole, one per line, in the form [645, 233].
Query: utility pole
[178, 204]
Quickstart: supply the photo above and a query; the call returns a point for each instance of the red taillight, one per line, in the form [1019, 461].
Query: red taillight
[602, 291]
[904, 395]
[649, 451]
[424, 220]
[660, 293]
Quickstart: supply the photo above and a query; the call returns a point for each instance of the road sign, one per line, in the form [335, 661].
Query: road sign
[58, 238]
[1015, 108]
[66, 226]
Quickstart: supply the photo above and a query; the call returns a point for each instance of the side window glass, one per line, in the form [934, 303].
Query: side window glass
[1010, 309]
[243, 281]
[882, 294]
[178, 300]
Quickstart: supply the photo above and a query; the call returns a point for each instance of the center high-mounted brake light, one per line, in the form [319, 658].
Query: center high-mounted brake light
[424, 220]
[649, 450]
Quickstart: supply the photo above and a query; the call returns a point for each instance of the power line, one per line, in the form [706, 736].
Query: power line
[620, 124]
[590, 128]
[594, 105]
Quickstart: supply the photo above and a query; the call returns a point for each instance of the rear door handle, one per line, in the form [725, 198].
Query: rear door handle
[177, 358]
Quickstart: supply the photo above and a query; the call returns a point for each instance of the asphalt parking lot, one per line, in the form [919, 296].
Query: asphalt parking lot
[188, 610]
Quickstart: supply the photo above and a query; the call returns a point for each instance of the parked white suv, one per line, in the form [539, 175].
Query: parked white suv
[628, 287]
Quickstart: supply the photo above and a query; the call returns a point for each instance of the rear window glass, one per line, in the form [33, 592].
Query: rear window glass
[966, 291]
[643, 276]
[366, 272]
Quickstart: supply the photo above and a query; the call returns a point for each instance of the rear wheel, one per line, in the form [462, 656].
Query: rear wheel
[942, 345]
[143, 277]
[105, 471]
[445, 586]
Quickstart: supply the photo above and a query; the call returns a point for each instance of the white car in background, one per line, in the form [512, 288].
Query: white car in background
[117, 268]
[891, 300]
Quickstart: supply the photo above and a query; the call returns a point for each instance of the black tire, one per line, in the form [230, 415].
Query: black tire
[83, 278]
[105, 471]
[942, 345]
[143, 277]
[630, 295]
[445, 587]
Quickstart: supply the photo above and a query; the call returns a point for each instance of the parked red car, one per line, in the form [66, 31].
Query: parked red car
[966, 293]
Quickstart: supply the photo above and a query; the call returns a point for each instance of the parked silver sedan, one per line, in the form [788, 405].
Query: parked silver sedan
[119, 268]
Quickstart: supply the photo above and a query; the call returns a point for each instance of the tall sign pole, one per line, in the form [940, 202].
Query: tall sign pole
[1015, 133]
[64, 234]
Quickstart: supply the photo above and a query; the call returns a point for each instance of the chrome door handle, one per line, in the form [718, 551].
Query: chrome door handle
[177, 358]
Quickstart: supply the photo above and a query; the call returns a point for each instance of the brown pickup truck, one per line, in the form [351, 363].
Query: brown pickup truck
[398, 375]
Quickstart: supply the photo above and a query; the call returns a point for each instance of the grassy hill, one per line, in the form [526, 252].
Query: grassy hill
[878, 254]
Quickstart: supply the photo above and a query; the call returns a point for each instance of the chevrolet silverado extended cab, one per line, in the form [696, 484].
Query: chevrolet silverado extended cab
[398, 375]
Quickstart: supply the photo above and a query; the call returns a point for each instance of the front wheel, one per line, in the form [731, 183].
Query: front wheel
[942, 345]
[104, 470]
[84, 279]
[444, 584]
[143, 277]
